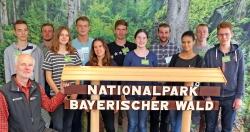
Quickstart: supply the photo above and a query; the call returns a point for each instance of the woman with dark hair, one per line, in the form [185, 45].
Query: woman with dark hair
[186, 58]
[100, 56]
[60, 54]
[141, 57]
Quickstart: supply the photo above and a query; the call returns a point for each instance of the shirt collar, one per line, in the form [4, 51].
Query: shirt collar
[19, 85]
[165, 44]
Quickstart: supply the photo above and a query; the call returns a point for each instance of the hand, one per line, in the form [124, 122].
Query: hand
[115, 111]
[208, 99]
[57, 91]
[237, 103]
[63, 85]
[73, 96]
[86, 110]
[123, 98]
[65, 99]
[162, 83]
[153, 98]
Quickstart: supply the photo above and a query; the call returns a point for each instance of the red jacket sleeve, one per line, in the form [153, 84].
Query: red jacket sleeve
[51, 104]
[4, 114]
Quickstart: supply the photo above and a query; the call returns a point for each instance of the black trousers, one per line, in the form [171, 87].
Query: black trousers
[163, 120]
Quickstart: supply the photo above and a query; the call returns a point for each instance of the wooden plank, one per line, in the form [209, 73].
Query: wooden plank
[201, 91]
[171, 105]
[137, 71]
[143, 74]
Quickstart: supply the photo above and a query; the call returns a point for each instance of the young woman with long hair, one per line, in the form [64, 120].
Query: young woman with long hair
[100, 56]
[60, 55]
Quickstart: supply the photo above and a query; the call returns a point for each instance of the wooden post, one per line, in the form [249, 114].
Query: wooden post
[94, 116]
[186, 115]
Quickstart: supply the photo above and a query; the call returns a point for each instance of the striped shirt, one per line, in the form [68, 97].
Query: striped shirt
[164, 53]
[55, 62]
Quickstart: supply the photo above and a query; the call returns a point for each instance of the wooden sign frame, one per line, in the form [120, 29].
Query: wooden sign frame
[165, 74]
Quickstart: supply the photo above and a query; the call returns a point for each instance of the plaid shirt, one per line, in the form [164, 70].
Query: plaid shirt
[46, 103]
[165, 52]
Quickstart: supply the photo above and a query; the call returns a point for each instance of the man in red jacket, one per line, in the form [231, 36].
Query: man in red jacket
[21, 100]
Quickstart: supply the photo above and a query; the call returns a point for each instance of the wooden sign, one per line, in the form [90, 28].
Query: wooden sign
[187, 75]
[145, 91]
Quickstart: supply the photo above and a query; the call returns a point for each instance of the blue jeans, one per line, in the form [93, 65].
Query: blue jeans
[62, 119]
[137, 120]
[175, 120]
[227, 116]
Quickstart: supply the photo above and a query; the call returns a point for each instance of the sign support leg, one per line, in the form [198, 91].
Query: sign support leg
[186, 115]
[94, 116]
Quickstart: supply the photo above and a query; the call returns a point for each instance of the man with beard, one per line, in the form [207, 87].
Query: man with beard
[47, 30]
[164, 50]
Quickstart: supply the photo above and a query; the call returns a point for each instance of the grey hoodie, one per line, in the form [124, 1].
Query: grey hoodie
[10, 54]
[234, 69]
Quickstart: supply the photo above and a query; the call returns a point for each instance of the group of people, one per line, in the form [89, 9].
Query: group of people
[33, 76]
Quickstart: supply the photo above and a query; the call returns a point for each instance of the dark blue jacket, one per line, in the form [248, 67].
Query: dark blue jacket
[24, 114]
[233, 70]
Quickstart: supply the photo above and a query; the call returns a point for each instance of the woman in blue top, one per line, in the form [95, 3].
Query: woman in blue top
[142, 57]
